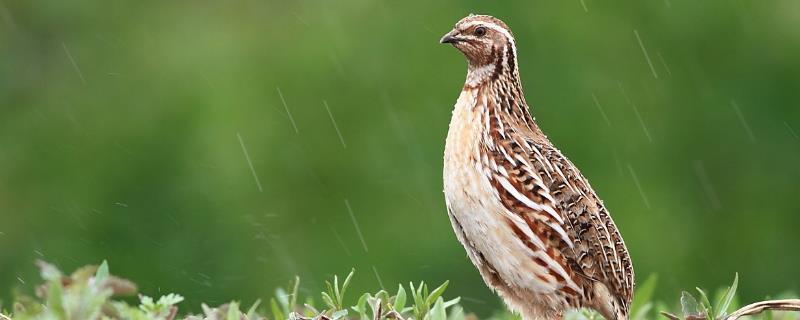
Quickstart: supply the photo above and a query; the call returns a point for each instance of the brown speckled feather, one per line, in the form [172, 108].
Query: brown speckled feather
[529, 220]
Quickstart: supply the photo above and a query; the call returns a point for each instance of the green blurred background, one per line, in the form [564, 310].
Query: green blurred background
[119, 123]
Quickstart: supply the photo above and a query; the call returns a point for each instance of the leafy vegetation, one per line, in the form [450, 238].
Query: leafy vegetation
[92, 292]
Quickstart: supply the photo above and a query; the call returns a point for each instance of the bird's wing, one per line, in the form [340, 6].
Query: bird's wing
[556, 214]
[598, 249]
[533, 212]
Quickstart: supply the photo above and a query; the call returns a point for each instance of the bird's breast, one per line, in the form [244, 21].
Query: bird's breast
[462, 178]
[473, 205]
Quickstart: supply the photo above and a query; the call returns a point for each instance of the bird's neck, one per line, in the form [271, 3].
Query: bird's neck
[498, 70]
[499, 64]
[499, 88]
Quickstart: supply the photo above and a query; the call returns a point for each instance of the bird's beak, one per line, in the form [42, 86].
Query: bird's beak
[450, 37]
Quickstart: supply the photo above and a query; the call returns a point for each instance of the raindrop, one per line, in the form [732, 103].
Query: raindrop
[664, 63]
[341, 242]
[646, 56]
[599, 107]
[355, 223]
[378, 276]
[249, 163]
[335, 126]
[639, 186]
[286, 107]
[791, 131]
[742, 119]
[74, 64]
[636, 111]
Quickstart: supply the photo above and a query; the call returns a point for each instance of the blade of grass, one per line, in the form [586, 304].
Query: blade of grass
[437, 293]
[708, 309]
[400, 299]
[233, 311]
[722, 306]
[277, 313]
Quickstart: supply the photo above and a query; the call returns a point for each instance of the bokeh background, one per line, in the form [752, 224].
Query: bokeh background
[126, 128]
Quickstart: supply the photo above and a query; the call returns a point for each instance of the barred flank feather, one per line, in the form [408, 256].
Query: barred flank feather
[528, 219]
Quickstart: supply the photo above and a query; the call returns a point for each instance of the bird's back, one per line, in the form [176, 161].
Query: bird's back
[598, 254]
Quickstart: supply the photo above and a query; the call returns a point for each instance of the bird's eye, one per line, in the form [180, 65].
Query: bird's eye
[480, 31]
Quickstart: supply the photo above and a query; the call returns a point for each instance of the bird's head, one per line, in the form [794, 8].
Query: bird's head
[484, 40]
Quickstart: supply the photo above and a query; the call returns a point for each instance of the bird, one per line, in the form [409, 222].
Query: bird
[530, 222]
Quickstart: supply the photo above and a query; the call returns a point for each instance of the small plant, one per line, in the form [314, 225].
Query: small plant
[334, 297]
[92, 293]
[693, 308]
[87, 294]
[164, 308]
[285, 303]
[430, 305]
[427, 305]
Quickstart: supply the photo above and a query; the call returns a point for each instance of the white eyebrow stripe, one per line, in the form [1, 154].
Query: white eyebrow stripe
[497, 28]
[492, 26]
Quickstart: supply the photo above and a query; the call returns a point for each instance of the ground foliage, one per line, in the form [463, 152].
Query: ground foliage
[91, 292]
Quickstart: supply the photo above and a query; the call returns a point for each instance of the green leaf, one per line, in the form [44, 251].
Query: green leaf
[644, 293]
[722, 306]
[292, 305]
[419, 307]
[337, 294]
[101, 275]
[383, 296]
[708, 309]
[282, 298]
[436, 293]
[346, 282]
[146, 302]
[339, 314]
[328, 300]
[361, 306]
[48, 271]
[438, 312]
[329, 287]
[375, 305]
[419, 289]
[233, 311]
[55, 302]
[277, 313]
[457, 313]
[170, 300]
[400, 299]
[688, 304]
[331, 293]
[452, 302]
[251, 313]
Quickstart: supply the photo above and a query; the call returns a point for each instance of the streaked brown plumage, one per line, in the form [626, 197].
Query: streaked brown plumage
[528, 219]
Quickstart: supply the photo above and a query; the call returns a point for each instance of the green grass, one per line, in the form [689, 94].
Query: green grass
[92, 293]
